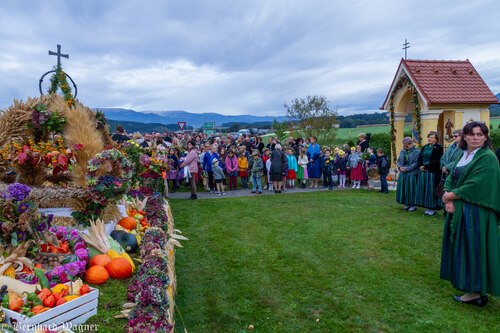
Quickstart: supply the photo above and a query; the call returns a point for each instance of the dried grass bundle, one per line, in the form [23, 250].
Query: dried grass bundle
[81, 128]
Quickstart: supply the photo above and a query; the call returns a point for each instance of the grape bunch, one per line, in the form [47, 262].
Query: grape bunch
[3, 292]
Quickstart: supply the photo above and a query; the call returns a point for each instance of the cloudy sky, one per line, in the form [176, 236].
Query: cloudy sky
[238, 57]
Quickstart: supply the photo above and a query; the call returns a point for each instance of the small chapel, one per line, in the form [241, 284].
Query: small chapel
[440, 95]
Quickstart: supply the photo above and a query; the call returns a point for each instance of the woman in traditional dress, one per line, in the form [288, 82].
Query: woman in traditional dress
[470, 257]
[408, 172]
[314, 166]
[430, 174]
[278, 160]
[452, 153]
[356, 166]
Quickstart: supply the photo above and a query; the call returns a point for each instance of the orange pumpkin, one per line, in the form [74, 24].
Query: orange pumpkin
[100, 259]
[128, 223]
[96, 275]
[389, 178]
[119, 268]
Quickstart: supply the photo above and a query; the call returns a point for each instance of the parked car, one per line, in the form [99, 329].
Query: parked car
[245, 131]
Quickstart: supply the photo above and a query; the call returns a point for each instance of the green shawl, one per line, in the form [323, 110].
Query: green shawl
[478, 184]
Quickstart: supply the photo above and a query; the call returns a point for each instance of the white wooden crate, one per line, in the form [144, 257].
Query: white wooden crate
[66, 315]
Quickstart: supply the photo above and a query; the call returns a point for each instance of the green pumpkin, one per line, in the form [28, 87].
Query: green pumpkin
[126, 240]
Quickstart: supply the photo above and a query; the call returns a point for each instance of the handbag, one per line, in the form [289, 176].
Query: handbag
[439, 190]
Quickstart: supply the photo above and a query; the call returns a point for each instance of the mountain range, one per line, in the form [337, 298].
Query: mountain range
[191, 119]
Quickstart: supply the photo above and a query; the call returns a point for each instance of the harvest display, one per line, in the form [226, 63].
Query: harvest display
[57, 157]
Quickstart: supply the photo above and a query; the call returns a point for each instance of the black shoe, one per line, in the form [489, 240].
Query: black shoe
[481, 301]
[193, 196]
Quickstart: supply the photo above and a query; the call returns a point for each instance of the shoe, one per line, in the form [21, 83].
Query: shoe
[412, 209]
[430, 212]
[260, 192]
[193, 197]
[217, 194]
[275, 191]
[252, 192]
[330, 188]
[279, 191]
[223, 193]
[406, 207]
[357, 187]
[481, 301]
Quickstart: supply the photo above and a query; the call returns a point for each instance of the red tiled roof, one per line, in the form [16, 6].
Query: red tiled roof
[449, 82]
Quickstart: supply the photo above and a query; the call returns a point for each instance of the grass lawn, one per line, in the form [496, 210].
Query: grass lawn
[343, 261]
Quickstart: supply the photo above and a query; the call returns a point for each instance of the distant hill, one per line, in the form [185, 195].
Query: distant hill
[172, 117]
[495, 108]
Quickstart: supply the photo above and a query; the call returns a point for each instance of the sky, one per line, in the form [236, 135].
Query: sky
[238, 57]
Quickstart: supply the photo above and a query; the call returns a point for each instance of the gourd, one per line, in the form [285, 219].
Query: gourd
[119, 268]
[128, 222]
[96, 275]
[126, 240]
[100, 259]
[17, 286]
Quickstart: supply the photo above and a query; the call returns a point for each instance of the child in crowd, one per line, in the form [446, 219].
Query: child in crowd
[341, 165]
[371, 166]
[356, 166]
[218, 177]
[232, 169]
[265, 157]
[243, 170]
[383, 167]
[268, 168]
[327, 167]
[292, 168]
[173, 168]
[257, 167]
[302, 168]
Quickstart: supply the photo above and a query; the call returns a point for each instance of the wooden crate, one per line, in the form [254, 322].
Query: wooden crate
[66, 315]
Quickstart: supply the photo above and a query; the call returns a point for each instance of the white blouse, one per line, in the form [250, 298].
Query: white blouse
[467, 157]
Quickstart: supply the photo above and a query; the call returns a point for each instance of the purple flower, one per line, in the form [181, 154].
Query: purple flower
[23, 208]
[18, 192]
[79, 245]
[82, 254]
[72, 268]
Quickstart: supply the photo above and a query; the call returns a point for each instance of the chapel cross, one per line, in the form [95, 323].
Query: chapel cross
[406, 46]
[59, 55]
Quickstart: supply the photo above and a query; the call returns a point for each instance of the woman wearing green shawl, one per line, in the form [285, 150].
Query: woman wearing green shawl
[471, 245]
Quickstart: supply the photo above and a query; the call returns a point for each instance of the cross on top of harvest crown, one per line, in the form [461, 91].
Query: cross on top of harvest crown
[59, 55]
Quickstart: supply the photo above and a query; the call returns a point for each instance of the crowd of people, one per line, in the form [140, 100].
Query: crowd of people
[464, 180]
[244, 162]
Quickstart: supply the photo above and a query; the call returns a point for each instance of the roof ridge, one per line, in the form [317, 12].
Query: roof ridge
[439, 61]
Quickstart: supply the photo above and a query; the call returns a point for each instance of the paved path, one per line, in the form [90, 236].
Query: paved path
[246, 193]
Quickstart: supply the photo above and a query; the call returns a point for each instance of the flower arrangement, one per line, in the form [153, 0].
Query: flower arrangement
[18, 219]
[53, 156]
[148, 319]
[73, 266]
[44, 122]
[156, 214]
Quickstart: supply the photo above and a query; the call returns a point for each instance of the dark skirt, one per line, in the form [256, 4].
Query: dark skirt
[470, 257]
[407, 189]
[426, 185]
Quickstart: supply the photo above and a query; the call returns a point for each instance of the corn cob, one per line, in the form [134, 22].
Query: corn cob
[10, 272]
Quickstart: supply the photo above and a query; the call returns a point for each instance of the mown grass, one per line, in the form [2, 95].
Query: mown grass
[343, 261]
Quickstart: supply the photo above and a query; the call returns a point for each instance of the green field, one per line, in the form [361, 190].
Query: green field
[342, 261]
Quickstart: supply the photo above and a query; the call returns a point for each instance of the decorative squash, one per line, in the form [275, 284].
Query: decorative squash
[96, 275]
[128, 223]
[100, 259]
[126, 240]
[119, 268]
[389, 178]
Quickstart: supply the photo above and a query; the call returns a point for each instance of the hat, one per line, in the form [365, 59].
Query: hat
[341, 153]
[255, 152]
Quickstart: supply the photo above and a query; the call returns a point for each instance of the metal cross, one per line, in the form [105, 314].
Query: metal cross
[406, 46]
[59, 55]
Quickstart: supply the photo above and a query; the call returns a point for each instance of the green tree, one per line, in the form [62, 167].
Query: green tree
[280, 128]
[313, 116]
